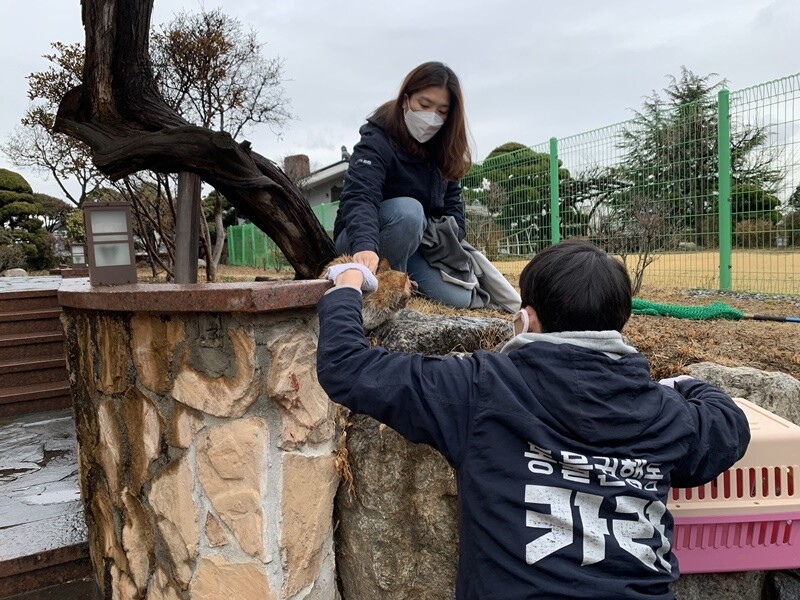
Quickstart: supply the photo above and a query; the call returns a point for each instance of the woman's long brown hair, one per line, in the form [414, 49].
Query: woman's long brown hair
[449, 148]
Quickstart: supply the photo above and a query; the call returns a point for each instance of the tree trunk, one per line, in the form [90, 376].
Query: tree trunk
[120, 114]
[187, 228]
[219, 237]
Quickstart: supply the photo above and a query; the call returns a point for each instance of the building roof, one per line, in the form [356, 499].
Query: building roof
[324, 175]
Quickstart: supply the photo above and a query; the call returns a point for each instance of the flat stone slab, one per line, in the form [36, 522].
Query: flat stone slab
[21, 284]
[41, 514]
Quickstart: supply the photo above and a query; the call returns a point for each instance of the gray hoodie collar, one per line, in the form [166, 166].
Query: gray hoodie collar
[610, 343]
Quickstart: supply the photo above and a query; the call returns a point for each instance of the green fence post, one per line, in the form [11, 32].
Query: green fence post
[252, 232]
[234, 252]
[555, 216]
[724, 175]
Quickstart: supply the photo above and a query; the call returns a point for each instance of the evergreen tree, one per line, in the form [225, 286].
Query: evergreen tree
[514, 183]
[673, 155]
[19, 216]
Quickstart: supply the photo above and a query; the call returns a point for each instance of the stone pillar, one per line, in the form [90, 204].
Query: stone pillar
[206, 446]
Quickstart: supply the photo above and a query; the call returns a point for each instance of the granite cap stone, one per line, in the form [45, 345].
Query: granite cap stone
[239, 297]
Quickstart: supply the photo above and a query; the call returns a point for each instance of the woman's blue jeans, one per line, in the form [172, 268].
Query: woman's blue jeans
[401, 223]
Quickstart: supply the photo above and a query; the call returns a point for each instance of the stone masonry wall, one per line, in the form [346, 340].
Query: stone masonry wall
[206, 454]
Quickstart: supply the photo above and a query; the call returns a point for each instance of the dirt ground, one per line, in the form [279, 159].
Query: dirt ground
[671, 344]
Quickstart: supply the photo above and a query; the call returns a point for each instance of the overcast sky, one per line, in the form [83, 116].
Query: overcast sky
[529, 70]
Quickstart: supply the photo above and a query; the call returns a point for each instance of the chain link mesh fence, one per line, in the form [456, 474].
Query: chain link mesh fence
[703, 194]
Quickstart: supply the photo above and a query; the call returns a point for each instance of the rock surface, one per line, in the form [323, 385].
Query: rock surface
[397, 535]
[777, 392]
[411, 331]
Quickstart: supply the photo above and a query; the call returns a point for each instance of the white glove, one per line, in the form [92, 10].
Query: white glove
[671, 381]
[370, 283]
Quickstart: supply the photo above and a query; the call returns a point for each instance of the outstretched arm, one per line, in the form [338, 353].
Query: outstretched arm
[425, 399]
[723, 433]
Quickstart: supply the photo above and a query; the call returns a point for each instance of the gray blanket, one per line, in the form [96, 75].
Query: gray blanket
[461, 264]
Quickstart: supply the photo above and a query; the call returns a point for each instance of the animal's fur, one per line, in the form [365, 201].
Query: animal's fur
[393, 293]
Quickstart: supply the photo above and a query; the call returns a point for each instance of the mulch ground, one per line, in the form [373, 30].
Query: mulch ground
[671, 344]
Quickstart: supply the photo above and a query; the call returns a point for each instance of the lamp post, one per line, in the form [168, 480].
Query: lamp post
[78, 256]
[109, 241]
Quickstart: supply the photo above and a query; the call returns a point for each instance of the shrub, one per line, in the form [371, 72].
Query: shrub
[14, 182]
[12, 256]
[37, 248]
[755, 233]
[790, 228]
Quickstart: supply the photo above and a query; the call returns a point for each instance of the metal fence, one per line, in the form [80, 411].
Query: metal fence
[703, 194]
[248, 246]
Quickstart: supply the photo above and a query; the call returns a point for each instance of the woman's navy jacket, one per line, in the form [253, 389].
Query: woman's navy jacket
[380, 171]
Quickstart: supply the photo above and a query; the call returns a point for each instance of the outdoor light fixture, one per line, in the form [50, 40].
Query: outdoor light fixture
[109, 240]
[78, 255]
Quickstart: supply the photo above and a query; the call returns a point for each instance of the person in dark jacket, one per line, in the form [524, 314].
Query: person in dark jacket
[405, 169]
[563, 446]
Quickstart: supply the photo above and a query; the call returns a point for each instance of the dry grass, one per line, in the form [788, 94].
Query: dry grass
[776, 272]
[429, 307]
[672, 344]
[225, 273]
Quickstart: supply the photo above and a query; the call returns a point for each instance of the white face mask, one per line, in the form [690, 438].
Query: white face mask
[422, 125]
[521, 322]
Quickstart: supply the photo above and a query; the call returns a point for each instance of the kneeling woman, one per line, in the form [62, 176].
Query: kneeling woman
[405, 169]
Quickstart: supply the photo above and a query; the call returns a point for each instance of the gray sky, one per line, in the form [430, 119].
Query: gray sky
[529, 70]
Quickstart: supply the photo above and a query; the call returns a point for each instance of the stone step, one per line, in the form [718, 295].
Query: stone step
[21, 346]
[15, 371]
[44, 552]
[30, 321]
[55, 574]
[21, 399]
[80, 589]
[28, 300]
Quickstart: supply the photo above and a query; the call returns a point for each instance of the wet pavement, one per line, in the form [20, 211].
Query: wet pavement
[40, 505]
[19, 284]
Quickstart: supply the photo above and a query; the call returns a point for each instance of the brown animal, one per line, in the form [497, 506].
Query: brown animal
[393, 293]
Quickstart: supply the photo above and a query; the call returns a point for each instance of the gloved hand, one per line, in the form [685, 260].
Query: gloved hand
[370, 283]
[671, 381]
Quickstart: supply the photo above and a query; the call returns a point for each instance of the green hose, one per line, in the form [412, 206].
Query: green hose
[715, 310]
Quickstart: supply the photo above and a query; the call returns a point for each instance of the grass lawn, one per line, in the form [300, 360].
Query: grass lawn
[776, 272]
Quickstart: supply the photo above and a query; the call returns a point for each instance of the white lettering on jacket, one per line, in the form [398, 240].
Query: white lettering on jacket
[554, 513]
[634, 522]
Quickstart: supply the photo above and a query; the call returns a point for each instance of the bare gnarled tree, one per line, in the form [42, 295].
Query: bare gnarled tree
[119, 113]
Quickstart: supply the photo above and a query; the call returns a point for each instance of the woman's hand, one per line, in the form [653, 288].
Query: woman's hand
[367, 258]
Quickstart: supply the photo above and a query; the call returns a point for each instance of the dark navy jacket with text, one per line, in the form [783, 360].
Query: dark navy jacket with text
[564, 451]
[379, 171]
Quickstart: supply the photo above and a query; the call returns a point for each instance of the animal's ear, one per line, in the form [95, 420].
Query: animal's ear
[383, 265]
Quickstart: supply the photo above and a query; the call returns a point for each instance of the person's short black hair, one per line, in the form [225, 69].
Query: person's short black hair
[576, 286]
